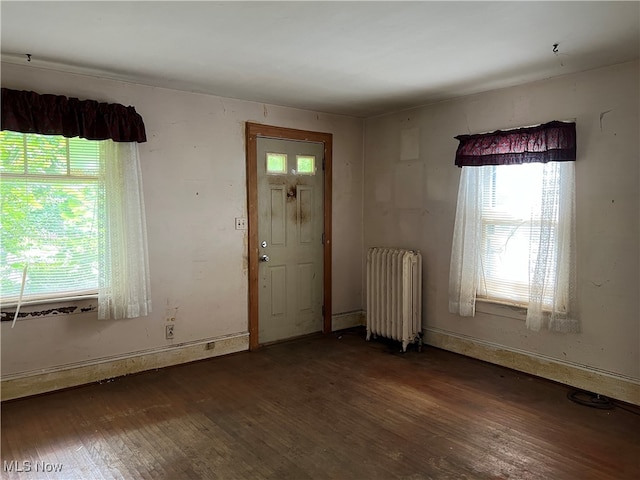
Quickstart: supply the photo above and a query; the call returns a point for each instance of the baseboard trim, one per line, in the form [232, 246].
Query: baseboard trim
[605, 383]
[42, 381]
[342, 321]
[609, 384]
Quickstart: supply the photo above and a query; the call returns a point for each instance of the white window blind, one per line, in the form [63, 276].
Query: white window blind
[50, 189]
[510, 216]
[513, 241]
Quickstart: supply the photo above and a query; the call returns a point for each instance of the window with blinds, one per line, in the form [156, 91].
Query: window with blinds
[511, 201]
[50, 190]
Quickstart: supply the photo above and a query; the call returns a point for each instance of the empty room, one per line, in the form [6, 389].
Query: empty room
[320, 240]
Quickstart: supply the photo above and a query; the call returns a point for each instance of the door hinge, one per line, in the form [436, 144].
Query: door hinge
[322, 238]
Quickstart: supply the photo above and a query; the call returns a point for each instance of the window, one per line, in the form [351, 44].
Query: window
[306, 164]
[73, 219]
[49, 192]
[276, 163]
[515, 222]
[510, 214]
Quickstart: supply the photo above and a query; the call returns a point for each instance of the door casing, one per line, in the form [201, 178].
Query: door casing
[252, 132]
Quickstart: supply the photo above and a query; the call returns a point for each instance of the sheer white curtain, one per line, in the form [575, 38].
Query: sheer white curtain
[466, 260]
[551, 246]
[552, 252]
[124, 286]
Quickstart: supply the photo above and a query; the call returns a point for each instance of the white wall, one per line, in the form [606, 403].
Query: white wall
[197, 258]
[411, 203]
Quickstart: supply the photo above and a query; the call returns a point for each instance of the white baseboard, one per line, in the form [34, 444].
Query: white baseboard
[341, 321]
[579, 376]
[41, 381]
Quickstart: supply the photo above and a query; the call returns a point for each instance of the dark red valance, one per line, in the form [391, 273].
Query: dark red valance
[30, 112]
[550, 142]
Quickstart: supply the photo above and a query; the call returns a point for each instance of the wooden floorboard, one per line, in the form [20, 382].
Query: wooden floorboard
[325, 407]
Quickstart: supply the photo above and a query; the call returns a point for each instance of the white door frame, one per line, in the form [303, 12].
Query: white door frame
[252, 132]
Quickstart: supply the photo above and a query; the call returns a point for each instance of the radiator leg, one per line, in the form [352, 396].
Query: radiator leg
[368, 334]
[420, 342]
[405, 343]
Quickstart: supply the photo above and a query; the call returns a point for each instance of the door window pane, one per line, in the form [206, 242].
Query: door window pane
[306, 164]
[276, 163]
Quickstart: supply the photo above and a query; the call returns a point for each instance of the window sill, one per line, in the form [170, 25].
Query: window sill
[501, 309]
[51, 307]
[504, 309]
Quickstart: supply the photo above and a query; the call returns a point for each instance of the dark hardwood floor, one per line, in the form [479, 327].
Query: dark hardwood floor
[325, 407]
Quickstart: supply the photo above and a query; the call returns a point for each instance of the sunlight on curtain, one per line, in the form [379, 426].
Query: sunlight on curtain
[513, 241]
[467, 239]
[556, 252]
[124, 286]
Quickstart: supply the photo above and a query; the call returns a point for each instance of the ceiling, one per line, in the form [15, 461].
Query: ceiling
[353, 58]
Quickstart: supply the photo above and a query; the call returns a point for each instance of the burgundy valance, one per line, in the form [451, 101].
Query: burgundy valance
[30, 112]
[550, 142]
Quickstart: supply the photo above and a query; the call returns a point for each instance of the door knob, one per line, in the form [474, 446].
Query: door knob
[264, 258]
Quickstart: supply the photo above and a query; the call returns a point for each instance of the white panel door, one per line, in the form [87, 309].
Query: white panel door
[290, 222]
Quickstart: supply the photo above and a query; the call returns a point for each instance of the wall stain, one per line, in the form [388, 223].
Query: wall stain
[602, 116]
[245, 255]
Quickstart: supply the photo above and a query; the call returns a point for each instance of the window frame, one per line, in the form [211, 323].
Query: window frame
[94, 179]
[552, 248]
[493, 216]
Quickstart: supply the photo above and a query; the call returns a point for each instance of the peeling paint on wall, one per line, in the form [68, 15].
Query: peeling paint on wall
[7, 315]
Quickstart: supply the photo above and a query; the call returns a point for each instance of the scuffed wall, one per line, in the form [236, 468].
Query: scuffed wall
[193, 168]
[411, 186]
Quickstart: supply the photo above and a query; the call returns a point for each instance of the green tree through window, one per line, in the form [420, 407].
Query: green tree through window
[50, 192]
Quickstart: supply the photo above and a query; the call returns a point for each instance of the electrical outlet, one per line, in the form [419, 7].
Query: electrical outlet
[241, 223]
[169, 330]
